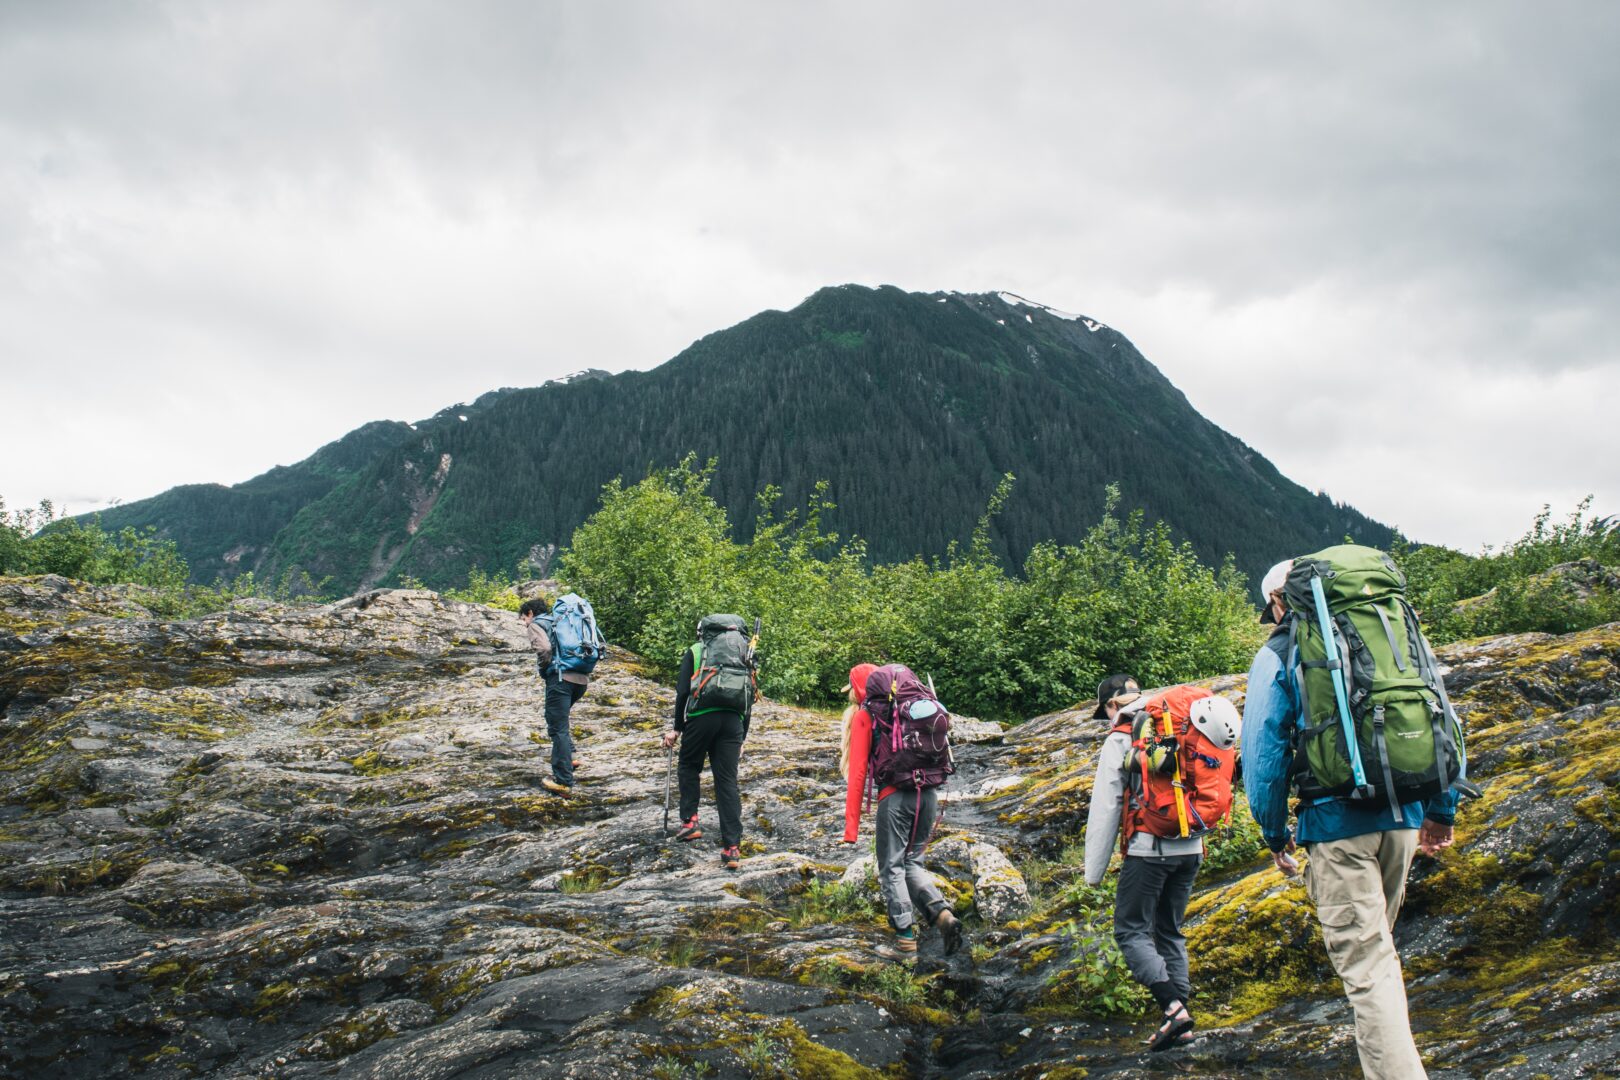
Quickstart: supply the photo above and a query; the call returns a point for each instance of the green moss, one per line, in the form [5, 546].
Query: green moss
[809, 1060]
[272, 997]
[370, 763]
[341, 717]
[587, 880]
[1254, 944]
[451, 985]
[98, 871]
[184, 712]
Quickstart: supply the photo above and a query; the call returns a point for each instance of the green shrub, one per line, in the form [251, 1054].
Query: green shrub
[1510, 591]
[1236, 842]
[1097, 980]
[658, 555]
[835, 901]
[494, 590]
[41, 542]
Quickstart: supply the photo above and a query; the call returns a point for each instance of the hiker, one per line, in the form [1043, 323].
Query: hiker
[1164, 777]
[907, 802]
[714, 699]
[568, 643]
[1360, 849]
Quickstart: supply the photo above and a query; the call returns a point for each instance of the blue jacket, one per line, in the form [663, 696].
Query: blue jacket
[1270, 712]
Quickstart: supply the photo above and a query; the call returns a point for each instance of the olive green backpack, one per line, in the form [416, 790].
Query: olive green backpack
[723, 674]
[1377, 724]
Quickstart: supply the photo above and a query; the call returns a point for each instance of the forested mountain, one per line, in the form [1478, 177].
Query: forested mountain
[911, 405]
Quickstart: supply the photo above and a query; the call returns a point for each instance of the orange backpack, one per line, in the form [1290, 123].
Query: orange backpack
[1180, 783]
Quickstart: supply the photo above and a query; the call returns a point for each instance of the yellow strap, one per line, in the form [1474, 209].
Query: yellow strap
[1181, 798]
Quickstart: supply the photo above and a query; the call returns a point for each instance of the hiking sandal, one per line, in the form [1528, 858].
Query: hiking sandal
[1177, 1022]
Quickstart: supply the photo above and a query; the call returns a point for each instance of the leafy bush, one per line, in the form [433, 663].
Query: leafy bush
[658, 555]
[1097, 978]
[41, 542]
[495, 590]
[1516, 590]
[1236, 842]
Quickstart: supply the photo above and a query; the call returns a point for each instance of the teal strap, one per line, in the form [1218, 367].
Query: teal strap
[1330, 640]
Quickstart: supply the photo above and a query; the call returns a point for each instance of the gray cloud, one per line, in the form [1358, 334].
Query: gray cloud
[231, 232]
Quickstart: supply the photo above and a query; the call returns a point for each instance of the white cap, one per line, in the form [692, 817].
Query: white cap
[1275, 579]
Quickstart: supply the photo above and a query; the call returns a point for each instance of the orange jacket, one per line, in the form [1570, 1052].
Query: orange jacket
[860, 756]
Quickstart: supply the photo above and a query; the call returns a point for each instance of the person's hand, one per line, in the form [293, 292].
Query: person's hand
[1285, 860]
[1433, 837]
[669, 739]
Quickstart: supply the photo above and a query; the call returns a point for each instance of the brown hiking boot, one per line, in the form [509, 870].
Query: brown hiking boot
[902, 949]
[553, 786]
[950, 931]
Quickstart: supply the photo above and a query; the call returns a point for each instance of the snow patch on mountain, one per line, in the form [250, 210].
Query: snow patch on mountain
[1014, 300]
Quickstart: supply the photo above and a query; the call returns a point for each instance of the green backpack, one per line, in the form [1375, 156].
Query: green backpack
[1377, 722]
[722, 667]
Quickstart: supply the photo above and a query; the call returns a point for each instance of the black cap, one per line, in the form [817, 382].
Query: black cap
[1112, 687]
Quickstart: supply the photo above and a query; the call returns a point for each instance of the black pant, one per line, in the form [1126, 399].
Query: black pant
[560, 698]
[1148, 908]
[717, 736]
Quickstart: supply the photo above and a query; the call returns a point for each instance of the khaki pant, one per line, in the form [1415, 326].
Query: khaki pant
[1358, 885]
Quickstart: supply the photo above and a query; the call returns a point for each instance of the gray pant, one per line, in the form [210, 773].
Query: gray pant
[904, 821]
[1148, 909]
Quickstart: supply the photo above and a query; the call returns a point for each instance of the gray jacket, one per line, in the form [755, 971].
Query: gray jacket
[1107, 807]
[539, 640]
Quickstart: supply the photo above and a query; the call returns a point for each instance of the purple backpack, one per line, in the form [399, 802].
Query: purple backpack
[911, 745]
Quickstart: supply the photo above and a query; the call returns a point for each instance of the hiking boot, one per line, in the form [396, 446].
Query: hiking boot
[553, 786]
[950, 930]
[902, 950]
[731, 857]
[576, 763]
[690, 830]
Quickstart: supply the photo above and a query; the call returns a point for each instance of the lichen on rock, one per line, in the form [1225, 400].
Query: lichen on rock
[295, 840]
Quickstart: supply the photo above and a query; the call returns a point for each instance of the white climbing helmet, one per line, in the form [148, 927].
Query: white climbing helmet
[1217, 719]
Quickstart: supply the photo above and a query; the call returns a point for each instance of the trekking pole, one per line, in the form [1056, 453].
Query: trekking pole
[669, 767]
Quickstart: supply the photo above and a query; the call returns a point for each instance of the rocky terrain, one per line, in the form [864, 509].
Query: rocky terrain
[310, 841]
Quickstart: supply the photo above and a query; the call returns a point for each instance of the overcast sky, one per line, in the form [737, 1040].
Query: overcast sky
[1378, 242]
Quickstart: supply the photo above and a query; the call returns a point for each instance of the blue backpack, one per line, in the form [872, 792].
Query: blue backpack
[576, 642]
